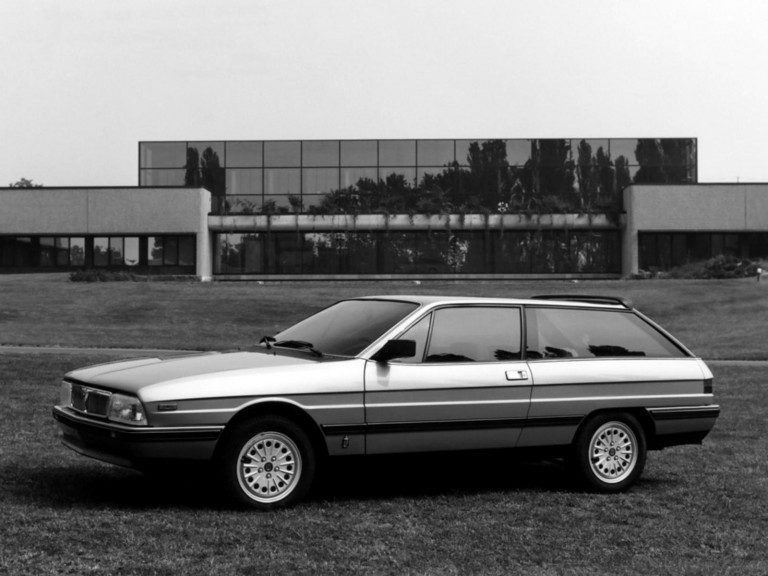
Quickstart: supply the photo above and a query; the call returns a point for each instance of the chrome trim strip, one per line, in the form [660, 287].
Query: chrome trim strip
[238, 408]
[446, 403]
[601, 398]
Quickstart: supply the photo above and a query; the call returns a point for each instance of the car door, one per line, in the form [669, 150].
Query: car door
[587, 359]
[467, 386]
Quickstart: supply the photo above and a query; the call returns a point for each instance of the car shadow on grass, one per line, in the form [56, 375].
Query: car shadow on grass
[89, 485]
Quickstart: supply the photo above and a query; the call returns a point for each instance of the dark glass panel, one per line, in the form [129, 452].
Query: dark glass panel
[100, 251]
[359, 153]
[24, 252]
[587, 148]
[162, 178]
[544, 253]
[328, 250]
[229, 254]
[678, 152]
[511, 252]
[62, 251]
[320, 153]
[47, 255]
[131, 251]
[170, 250]
[287, 253]
[162, 154]
[564, 333]
[398, 253]
[518, 151]
[242, 204]
[679, 250]
[625, 148]
[432, 170]
[351, 176]
[397, 152]
[116, 251]
[435, 253]
[731, 244]
[281, 204]
[155, 250]
[215, 147]
[462, 151]
[77, 251]
[186, 250]
[475, 334]
[434, 152]
[362, 253]
[242, 181]
[648, 252]
[282, 154]
[308, 202]
[320, 180]
[664, 249]
[700, 247]
[594, 252]
[244, 154]
[408, 174]
[717, 244]
[466, 252]
[758, 246]
[282, 181]
[253, 258]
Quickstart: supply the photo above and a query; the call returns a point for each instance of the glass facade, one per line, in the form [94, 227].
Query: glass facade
[167, 253]
[418, 252]
[418, 176]
[663, 250]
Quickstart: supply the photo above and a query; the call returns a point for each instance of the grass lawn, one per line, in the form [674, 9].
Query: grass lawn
[716, 319]
[697, 510]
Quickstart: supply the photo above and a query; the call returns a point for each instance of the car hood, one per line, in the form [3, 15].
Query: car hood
[133, 375]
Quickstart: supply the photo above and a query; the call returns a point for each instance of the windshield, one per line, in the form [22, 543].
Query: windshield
[347, 327]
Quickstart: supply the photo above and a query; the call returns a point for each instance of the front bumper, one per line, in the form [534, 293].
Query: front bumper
[131, 445]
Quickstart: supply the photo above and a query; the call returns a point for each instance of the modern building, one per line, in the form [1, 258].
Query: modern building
[574, 208]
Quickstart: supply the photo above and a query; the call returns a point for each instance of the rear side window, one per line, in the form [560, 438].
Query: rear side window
[572, 333]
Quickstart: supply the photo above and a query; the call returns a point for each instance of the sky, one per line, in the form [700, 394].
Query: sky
[85, 80]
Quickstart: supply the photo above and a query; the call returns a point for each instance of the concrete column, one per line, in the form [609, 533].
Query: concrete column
[629, 245]
[204, 262]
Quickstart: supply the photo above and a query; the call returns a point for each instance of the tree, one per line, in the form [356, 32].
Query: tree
[25, 183]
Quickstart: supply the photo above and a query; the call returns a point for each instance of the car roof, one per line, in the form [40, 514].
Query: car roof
[427, 300]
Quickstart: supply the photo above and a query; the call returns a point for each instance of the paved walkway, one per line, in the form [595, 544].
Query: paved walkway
[9, 349]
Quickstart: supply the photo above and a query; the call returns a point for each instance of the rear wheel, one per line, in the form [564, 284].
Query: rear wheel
[610, 452]
[268, 463]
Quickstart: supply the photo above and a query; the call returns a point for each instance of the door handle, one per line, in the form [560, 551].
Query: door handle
[517, 374]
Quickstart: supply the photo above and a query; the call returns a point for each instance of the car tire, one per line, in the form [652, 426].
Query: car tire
[609, 452]
[267, 463]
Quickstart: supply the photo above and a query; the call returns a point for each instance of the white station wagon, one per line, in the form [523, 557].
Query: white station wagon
[588, 376]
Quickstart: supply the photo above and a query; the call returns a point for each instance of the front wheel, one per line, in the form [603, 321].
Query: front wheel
[610, 452]
[268, 463]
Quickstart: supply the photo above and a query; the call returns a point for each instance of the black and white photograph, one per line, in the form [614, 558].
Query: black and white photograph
[419, 287]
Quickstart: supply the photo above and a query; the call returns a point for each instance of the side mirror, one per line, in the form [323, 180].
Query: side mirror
[395, 349]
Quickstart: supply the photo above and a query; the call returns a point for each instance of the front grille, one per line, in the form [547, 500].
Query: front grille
[89, 400]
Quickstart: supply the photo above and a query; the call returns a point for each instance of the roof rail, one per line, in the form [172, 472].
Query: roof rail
[592, 299]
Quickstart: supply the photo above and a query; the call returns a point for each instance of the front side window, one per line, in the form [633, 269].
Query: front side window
[419, 333]
[574, 333]
[474, 334]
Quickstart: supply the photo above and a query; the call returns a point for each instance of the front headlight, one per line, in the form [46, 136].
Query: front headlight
[65, 394]
[126, 409]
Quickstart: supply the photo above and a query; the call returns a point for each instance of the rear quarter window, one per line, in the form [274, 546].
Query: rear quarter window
[579, 333]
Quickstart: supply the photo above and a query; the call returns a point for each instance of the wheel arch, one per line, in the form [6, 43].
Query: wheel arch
[641, 415]
[283, 408]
